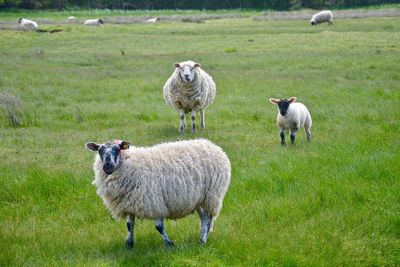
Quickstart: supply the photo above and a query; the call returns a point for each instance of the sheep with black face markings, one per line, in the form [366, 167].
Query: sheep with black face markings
[189, 89]
[292, 115]
[165, 181]
[27, 24]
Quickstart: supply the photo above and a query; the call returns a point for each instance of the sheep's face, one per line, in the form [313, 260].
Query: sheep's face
[187, 71]
[313, 23]
[283, 104]
[19, 21]
[110, 154]
[101, 21]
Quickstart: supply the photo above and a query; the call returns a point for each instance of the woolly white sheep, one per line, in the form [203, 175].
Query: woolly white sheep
[323, 16]
[27, 24]
[71, 19]
[152, 20]
[189, 89]
[93, 22]
[165, 181]
[292, 115]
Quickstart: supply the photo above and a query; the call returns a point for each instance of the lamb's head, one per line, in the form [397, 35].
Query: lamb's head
[19, 21]
[100, 21]
[313, 22]
[283, 104]
[187, 70]
[110, 154]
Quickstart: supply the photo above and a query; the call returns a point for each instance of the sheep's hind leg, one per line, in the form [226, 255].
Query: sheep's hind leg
[130, 225]
[160, 228]
[282, 133]
[202, 120]
[193, 121]
[308, 133]
[293, 135]
[205, 220]
[183, 121]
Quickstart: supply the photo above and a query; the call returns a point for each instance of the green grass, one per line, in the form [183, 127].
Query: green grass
[334, 202]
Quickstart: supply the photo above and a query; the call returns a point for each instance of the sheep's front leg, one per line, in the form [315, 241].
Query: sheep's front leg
[183, 121]
[202, 121]
[193, 121]
[160, 228]
[205, 220]
[130, 225]
[282, 133]
[293, 135]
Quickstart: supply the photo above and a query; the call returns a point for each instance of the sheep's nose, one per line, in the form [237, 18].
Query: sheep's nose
[187, 76]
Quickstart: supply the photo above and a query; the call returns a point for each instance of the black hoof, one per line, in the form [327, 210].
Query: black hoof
[169, 243]
[129, 244]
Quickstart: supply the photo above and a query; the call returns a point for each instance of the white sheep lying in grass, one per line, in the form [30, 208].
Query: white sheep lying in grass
[93, 22]
[27, 24]
[168, 180]
[189, 89]
[71, 19]
[292, 115]
[152, 20]
[323, 16]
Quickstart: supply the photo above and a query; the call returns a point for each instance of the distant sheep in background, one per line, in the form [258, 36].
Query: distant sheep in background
[165, 181]
[189, 89]
[292, 115]
[93, 22]
[27, 24]
[71, 19]
[153, 20]
[323, 16]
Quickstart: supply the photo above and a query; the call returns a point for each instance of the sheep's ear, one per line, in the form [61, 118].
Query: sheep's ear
[92, 146]
[124, 145]
[274, 100]
[197, 65]
[176, 65]
[292, 99]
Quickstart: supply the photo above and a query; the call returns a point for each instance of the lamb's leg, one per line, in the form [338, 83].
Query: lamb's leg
[293, 135]
[282, 133]
[130, 225]
[160, 228]
[183, 121]
[308, 133]
[193, 121]
[205, 220]
[202, 121]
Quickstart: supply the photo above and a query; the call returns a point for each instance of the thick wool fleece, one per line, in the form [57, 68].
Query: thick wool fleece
[169, 180]
[195, 96]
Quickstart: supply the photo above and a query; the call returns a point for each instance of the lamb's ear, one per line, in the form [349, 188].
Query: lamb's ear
[176, 65]
[124, 145]
[92, 146]
[197, 65]
[292, 99]
[274, 100]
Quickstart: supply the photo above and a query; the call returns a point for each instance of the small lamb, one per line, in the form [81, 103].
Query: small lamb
[292, 115]
[93, 22]
[323, 16]
[189, 89]
[27, 24]
[165, 181]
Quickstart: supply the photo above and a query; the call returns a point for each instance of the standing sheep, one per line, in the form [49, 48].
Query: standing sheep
[292, 115]
[93, 22]
[165, 181]
[189, 89]
[27, 24]
[323, 16]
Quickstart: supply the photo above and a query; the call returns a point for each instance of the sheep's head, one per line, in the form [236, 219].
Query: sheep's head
[101, 21]
[110, 154]
[187, 70]
[19, 21]
[283, 104]
[313, 22]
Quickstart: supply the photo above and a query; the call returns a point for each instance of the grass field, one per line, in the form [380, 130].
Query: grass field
[334, 202]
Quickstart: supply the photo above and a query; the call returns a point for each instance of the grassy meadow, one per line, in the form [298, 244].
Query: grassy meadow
[333, 202]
